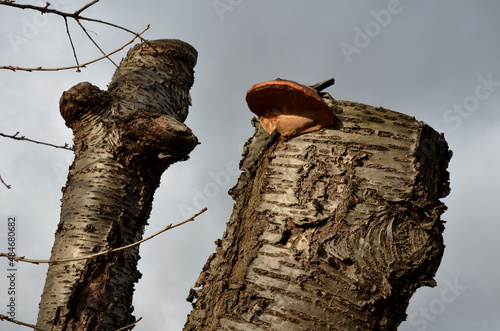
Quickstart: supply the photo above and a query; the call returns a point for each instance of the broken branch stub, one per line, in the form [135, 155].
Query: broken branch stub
[124, 138]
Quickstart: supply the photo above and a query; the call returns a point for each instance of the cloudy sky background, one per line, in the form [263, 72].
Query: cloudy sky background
[437, 61]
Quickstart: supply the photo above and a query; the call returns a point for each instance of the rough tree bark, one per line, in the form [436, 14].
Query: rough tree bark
[331, 230]
[124, 138]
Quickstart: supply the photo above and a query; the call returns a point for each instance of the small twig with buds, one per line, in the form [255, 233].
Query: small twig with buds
[77, 17]
[93, 256]
[14, 68]
[16, 137]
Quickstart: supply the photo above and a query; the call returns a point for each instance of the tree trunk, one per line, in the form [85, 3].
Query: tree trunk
[331, 230]
[124, 138]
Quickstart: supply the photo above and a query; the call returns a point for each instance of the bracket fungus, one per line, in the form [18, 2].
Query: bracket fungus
[288, 107]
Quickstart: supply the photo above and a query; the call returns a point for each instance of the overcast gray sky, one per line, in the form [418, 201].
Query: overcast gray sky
[435, 60]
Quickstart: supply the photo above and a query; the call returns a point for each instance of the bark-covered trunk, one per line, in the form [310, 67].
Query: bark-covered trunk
[331, 230]
[124, 138]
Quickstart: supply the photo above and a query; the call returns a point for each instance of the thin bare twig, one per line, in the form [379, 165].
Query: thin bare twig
[137, 35]
[99, 48]
[15, 137]
[93, 256]
[8, 319]
[71, 42]
[77, 17]
[130, 325]
[85, 7]
[6, 185]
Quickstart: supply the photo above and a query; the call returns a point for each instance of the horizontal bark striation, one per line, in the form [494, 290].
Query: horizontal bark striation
[331, 230]
[139, 84]
[122, 145]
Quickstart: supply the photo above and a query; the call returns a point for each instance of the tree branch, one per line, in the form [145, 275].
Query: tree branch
[96, 45]
[93, 256]
[6, 185]
[8, 319]
[15, 137]
[76, 16]
[137, 321]
[71, 42]
[86, 6]
[14, 68]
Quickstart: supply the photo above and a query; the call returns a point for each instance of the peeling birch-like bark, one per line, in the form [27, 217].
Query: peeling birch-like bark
[331, 230]
[124, 138]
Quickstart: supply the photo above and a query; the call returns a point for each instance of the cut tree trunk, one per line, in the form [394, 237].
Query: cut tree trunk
[331, 230]
[124, 138]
